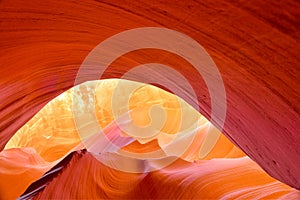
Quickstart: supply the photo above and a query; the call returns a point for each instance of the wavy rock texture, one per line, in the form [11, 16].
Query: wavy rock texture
[18, 168]
[239, 178]
[52, 132]
[141, 165]
[254, 44]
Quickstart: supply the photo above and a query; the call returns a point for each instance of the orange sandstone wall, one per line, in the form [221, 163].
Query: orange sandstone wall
[255, 45]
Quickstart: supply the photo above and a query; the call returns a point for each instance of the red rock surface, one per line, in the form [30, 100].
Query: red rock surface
[255, 45]
[84, 177]
[123, 171]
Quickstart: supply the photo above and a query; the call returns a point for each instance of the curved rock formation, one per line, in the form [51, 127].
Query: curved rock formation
[240, 178]
[91, 115]
[256, 51]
